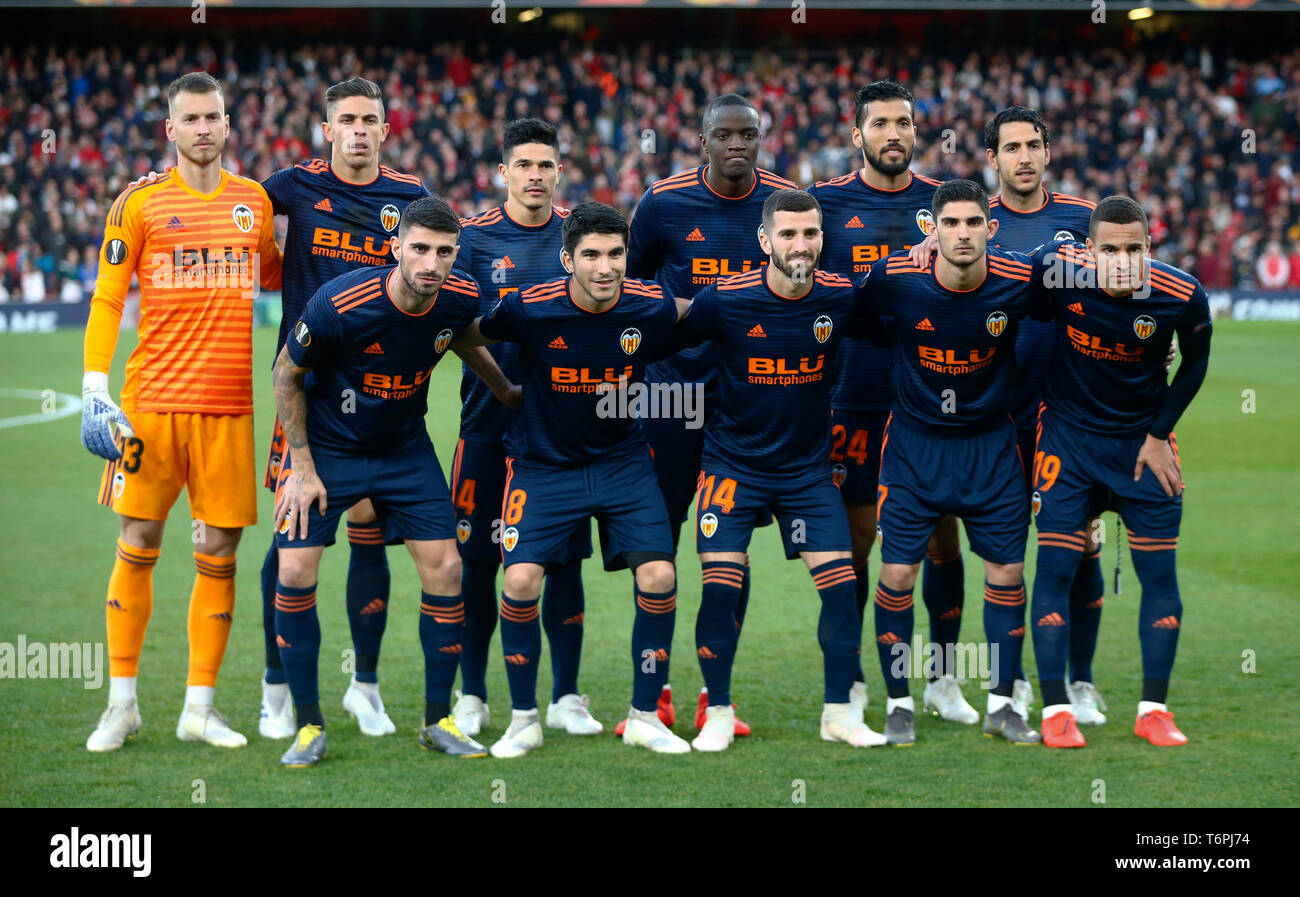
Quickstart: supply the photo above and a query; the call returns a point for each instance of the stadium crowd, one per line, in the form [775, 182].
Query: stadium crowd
[1210, 145]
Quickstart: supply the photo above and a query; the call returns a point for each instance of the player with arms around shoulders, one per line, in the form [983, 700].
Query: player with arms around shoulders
[371, 339]
[201, 241]
[1105, 439]
[774, 332]
[577, 451]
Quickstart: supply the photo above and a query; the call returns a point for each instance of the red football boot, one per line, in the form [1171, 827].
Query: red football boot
[664, 707]
[1061, 730]
[1158, 728]
[742, 727]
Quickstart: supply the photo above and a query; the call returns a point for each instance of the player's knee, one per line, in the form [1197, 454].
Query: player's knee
[1004, 574]
[899, 577]
[362, 512]
[945, 540]
[142, 533]
[218, 541]
[440, 573]
[298, 567]
[523, 582]
[656, 577]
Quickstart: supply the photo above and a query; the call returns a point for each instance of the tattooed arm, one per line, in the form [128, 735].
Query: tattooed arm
[302, 486]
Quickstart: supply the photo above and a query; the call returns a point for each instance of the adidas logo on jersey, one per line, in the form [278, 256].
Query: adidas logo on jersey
[557, 343]
[503, 263]
[925, 325]
[757, 332]
[695, 236]
[174, 223]
[1075, 307]
[855, 221]
[324, 205]
[374, 349]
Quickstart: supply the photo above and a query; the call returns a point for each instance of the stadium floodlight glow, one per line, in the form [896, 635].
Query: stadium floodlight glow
[1142, 12]
[529, 14]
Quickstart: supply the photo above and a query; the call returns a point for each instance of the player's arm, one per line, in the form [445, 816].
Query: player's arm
[869, 321]
[1048, 273]
[504, 323]
[645, 248]
[692, 324]
[118, 259]
[303, 486]
[480, 361]
[270, 263]
[1194, 342]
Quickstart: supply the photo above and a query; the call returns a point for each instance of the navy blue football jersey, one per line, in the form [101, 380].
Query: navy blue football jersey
[1060, 217]
[860, 226]
[775, 360]
[371, 361]
[334, 226]
[1108, 361]
[954, 364]
[503, 256]
[686, 236]
[574, 363]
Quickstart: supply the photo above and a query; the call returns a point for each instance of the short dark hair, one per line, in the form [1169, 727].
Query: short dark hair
[993, 130]
[194, 82]
[1117, 209]
[717, 104]
[353, 87]
[788, 201]
[431, 213]
[528, 130]
[591, 218]
[960, 190]
[877, 91]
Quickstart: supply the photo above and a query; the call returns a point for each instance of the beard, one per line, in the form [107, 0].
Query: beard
[890, 169]
[799, 270]
[204, 154]
[419, 287]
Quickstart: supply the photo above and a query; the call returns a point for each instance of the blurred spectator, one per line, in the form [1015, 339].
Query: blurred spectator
[1273, 270]
[1164, 125]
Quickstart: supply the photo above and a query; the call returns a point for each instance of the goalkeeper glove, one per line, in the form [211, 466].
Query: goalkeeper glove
[98, 415]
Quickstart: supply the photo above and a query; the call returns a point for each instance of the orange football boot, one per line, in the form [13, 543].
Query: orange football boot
[1158, 728]
[1061, 730]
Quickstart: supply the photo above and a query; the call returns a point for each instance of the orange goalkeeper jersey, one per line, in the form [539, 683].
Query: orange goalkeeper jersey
[199, 259]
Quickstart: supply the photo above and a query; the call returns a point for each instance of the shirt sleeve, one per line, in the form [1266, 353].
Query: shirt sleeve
[124, 237]
[701, 320]
[270, 261]
[506, 320]
[867, 322]
[1047, 275]
[317, 338]
[279, 188]
[1194, 343]
[465, 255]
[645, 252]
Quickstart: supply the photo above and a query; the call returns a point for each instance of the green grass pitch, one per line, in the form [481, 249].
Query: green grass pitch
[1238, 572]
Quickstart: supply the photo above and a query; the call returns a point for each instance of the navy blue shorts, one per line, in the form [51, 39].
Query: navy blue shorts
[544, 505]
[406, 486]
[977, 477]
[810, 515]
[1026, 442]
[478, 481]
[1079, 474]
[856, 437]
[676, 451]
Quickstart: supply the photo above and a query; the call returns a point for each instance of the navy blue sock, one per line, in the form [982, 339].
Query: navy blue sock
[521, 643]
[442, 629]
[298, 633]
[839, 631]
[1004, 628]
[652, 641]
[478, 586]
[1161, 613]
[270, 573]
[742, 603]
[861, 594]
[368, 581]
[715, 626]
[1051, 615]
[943, 592]
[1085, 616]
[563, 605]
[894, 626]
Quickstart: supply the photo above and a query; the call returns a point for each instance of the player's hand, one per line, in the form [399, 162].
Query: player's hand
[1173, 353]
[99, 415]
[922, 252]
[150, 178]
[513, 398]
[301, 489]
[1157, 455]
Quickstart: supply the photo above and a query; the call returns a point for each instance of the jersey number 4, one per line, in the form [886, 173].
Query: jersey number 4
[857, 449]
